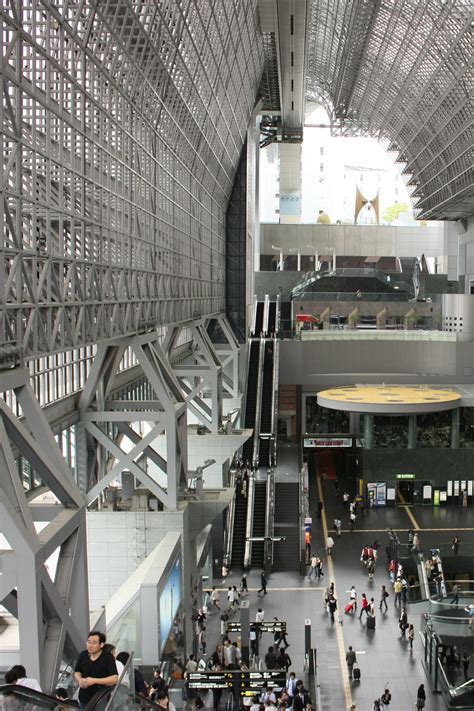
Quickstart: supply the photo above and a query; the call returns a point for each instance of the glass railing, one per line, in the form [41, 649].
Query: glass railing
[14, 697]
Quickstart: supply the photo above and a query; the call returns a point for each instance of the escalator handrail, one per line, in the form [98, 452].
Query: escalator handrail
[32, 696]
[254, 319]
[269, 519]
[128, 664]
[249, 525]
[258, 401]
[229, 531]
[266, 313]
[275, 382]
[245, 397]
[265, 432]
[277, 314]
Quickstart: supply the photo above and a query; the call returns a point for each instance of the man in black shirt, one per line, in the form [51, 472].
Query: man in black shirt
[94, 668]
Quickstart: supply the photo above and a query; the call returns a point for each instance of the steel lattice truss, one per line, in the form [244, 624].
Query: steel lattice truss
[402, 71]
[122, 127]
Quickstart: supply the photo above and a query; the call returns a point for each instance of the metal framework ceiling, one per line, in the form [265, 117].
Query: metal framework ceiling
[401, 71]
[122, 126]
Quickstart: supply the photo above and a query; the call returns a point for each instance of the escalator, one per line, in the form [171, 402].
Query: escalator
[240, 524]
[264, 454]
[271, 317]
[22, 698]
[286, 553]
[251, 398]
[258, 320]
[258, 528]
[285, 316]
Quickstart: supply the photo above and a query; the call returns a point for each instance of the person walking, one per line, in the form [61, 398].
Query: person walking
[283, 660]
[353, 598]
[329, 544]
[202, 640]
[351, 659]
[332, 605]
[224, 573]
[466, 658]
[352, 518]
[364, 606]
[337, 526]
[386, 698]
[243, 585]
[215, 598]
[383, 598]
[312, 567]
[455, 546]
[403, 622]
[411, 636]
[319, 568]
[263, 583]
[420, 698]
[455, 591]
[397, 589]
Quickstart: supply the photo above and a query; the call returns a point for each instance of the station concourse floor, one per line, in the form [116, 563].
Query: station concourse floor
[384, 658]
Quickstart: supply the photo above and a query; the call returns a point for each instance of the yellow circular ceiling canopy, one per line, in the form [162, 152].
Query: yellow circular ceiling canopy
[389, 399]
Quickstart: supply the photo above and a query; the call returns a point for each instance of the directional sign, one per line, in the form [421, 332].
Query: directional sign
[251, 682]
[211, 680]
[247, 682]
[274, 626]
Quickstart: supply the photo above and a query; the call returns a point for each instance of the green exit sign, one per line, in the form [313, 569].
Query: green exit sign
[404, 476]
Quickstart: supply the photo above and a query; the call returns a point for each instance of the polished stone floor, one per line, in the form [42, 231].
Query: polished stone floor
[384, 657]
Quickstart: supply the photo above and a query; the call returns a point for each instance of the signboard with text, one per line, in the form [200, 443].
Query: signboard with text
[272, 627]
[247, 682]
[327, 442]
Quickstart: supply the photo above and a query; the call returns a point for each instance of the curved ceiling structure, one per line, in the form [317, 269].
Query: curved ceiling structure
[401, 71]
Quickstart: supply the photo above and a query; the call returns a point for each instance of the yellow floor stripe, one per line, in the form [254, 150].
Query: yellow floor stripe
[339, 635]
[408, 512]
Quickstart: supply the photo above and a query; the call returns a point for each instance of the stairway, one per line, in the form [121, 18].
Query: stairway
[240, 525]
[286, 554]
[258, 528]
[285, 316]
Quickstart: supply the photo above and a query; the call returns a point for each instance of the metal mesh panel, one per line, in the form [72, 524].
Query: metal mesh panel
[122, 126]
[402, 71]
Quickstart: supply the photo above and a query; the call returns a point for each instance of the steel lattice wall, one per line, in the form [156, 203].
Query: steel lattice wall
[402, 71]
[122, 127]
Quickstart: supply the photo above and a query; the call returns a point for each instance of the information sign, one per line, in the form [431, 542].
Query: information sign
[211, 680]
[327, 442]
[272, 627]
[246, 682]
[404, 476]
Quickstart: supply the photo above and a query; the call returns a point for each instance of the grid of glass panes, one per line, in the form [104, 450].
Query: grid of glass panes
[131, 117]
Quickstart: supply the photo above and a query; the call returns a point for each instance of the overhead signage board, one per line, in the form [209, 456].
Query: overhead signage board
[272, 627]
[251, 682]
[211, 680]
[247, 682]
[327, 442]
[405, 476]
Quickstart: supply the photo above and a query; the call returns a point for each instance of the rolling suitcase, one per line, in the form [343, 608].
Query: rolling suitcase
[370, 622]
[356, 673]
[349, 608]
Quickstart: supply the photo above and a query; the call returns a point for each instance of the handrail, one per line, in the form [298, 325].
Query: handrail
[258, 401]
[304, 507]
[248, 528]
[229, 528]
[254, 319]
[126, 669]
[275, 381]
[25, 693]
[269, 522]
[266, 314]
[277, 314]
[243, 406]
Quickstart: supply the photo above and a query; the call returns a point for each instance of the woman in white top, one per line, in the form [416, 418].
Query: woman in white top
[17, 675]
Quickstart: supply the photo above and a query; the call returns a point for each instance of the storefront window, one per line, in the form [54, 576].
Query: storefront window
[434, 429]
[466, 430]
[391, 432]
[324, 421]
